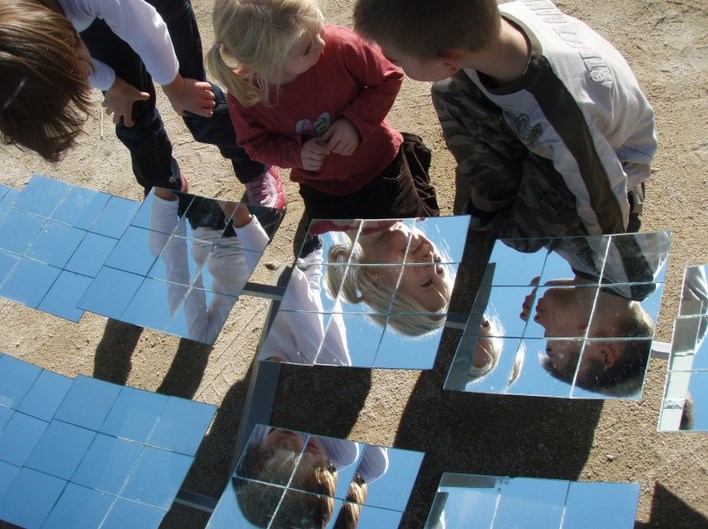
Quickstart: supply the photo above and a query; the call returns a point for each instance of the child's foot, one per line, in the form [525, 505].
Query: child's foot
[267, 189]
[181, 185]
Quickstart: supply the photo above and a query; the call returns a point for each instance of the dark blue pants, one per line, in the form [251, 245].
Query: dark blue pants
[148, 143]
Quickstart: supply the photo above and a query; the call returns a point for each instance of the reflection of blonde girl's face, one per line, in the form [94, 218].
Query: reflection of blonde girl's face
[423, 278]
[304, 55]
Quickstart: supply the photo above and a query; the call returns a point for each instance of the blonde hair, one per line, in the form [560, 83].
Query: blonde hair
[44, 94]
[358, 284]
[253, 41]
[496, 344]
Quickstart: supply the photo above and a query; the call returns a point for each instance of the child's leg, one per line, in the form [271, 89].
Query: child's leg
[418, 158]
[218, 129]
[487, 151]
[150, 148]
[321, 205]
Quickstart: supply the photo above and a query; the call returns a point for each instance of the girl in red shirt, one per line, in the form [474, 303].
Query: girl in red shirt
[314, 98]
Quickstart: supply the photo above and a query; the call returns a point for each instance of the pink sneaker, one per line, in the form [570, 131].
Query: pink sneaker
[267, 190]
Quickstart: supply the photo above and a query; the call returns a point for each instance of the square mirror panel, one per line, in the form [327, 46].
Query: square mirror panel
[564, 317]
[369, 293]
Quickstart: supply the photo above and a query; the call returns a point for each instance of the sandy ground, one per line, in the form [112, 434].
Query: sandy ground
[666, 44]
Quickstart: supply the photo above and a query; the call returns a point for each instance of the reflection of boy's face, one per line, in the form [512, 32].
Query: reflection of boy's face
[563, 311]
[424, 282]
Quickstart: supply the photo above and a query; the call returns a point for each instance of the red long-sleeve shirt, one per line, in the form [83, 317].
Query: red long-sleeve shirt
[351, 79]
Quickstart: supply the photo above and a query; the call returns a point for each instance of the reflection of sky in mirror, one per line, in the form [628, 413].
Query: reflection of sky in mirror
[82, 452]
[388, 281]
[686, 387]
[66, 249]
[549, 301]
[487, 502]
[256, 494]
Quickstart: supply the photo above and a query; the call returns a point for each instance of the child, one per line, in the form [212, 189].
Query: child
[416, 290]
[226, 242]
[54, 49]
[606, 361]
[314, 99]
[308, 465]
[545, 118]
[598, 334]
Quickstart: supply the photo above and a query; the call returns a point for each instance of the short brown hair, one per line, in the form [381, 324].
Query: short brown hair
[426, 28]
[44, 94]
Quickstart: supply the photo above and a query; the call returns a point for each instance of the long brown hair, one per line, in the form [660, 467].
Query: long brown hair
[44, 92]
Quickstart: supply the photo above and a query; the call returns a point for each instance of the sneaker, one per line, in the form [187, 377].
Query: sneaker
[182, 185]
[267, 190]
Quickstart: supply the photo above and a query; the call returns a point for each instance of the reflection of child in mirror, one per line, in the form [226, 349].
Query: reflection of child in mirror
[314, 98]
[488, 349]
[613, 367]
[310, 465]
[298, 333]
[229, 265]
[417, 295]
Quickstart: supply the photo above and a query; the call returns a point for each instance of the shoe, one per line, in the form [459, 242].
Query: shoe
[267, 189]
[182, 185]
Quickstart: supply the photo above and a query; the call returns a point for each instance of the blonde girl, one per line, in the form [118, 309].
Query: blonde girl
[412, 298]
[314, 98]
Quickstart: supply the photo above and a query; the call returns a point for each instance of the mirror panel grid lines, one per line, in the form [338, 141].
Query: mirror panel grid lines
[175, 262]
[575, 321]
[469, 501]
[369, 293]
[87, 453]
[286, 478]
[683, 406]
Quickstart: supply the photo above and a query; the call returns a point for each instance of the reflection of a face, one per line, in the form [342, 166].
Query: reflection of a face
[563, 311]
[423, 278]
[487, 349]
[313, 452]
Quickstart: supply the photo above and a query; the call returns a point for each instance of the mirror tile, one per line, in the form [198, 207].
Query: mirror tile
[468, 501]
[30, 498]
[527, 339]
[108, 463]
[79, 508]
[41, 195]
[685, 394]
[60, 449]
[16, 379]
[273, 482]
[157, 477]
[125, 513]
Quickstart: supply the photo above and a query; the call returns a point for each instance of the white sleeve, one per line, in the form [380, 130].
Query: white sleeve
[253, 240]
[138, 24]
[374, 463]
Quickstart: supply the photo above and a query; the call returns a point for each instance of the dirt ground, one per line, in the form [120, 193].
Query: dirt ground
[666, 43]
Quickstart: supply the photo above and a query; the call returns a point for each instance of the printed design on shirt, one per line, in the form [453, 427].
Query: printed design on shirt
[521, 126]
[305, 127]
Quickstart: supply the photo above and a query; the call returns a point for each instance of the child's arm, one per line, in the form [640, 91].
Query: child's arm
[259, 141]
[139, 24]
[380, 80]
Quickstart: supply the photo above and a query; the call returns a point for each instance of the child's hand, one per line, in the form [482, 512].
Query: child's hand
[119, 101]
[190, 95]
[313, 154]
[342, 137]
